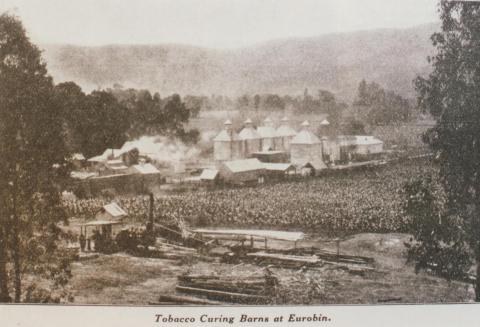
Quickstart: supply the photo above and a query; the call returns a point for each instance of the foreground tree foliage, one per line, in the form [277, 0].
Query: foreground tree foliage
[438, 241]
[32, 167]
[451, 93]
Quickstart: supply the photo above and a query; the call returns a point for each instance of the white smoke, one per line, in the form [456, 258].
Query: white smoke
[163, 149]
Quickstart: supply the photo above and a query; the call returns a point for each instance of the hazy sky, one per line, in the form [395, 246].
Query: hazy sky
[211, 23]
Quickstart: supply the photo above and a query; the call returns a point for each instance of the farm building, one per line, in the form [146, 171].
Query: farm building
[209, 176]
[271, 156]
[114, 167]
[250, 139]
[285, 134]
[306, 147]
[312, 168]
[279, 170]
[242, 171]
[268, 136]
[111, 212]
[78, 161]
[367, 147]
[144, 169]
[348, 148]
[227, 145]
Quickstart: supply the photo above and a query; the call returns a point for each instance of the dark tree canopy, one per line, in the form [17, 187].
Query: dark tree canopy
[451, 93]
[33, 164]
[380, 107]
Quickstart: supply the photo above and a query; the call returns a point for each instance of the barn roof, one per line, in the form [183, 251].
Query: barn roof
[305, 137]
[237, 166]
[367, 140]
[248, 133]
[277, 166]
[209, 174]
[315, 164]
[114, 210]
[78, 156]
[266, 131]
[285, 130]
[226, 136]
[146, 168]
[106, 154]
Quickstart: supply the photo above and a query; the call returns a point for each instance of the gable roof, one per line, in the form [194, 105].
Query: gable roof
[248, 133]
[277, 166]
[266, 131]
[114, 210]
[146, 168]
[305, 137]
[78, 156]
[285, 130]
[237, 166]
[226, 136]
[209, 174]
[315, 164]
[367, 140]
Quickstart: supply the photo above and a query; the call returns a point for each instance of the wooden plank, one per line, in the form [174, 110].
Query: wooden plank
[271, 234]
[173, 246]
[284, 257]
[186, 300]
[226, 296]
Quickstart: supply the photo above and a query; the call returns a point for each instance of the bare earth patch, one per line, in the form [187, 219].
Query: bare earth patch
[123, 279]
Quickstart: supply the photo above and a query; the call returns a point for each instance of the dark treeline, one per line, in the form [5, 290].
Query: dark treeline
[377, 106]
[108, 118]
[373, 105]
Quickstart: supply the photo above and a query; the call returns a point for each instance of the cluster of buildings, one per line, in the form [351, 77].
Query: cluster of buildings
[269, 149]
[250, 154]
[122, 170]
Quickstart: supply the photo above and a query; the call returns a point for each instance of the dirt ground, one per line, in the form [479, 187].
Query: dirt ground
[124, 279]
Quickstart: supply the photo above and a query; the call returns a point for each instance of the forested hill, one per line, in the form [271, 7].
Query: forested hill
[335, 62]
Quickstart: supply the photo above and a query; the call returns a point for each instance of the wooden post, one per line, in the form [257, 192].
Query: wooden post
[251, 241]
[265, 243]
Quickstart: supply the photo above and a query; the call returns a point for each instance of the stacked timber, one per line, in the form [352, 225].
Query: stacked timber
[283, 259]
[246, 290]
[180, 300]
[328, 256]
[168, 250]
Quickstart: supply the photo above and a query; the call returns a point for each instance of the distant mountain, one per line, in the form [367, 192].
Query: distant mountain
[336, 62]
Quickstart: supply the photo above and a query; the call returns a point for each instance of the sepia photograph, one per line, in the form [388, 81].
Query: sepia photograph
[239, 153]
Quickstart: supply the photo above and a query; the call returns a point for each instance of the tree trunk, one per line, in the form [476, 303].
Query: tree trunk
[4, 293]
[17, 267]
[477, 281]
[16, 241]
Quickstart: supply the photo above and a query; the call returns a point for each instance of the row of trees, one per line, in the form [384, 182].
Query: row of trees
[103, 119]
[377, 106]
[373, 104]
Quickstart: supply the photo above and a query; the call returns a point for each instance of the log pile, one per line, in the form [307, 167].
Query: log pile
[283, 260]
[245, 290]
[167, 250]
[328, 256]
[303, 259]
